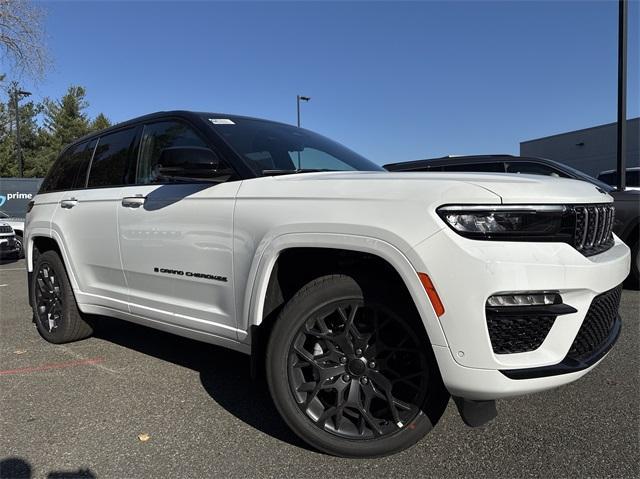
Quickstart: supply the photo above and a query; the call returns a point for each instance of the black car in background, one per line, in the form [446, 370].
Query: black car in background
[627, 202]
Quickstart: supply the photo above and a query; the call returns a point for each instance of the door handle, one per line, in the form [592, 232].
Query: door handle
[133, 201]
[68, 204]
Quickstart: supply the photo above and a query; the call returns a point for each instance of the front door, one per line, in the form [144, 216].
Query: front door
[176, 240]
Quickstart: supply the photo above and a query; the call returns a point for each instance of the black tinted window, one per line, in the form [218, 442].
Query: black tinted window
[70, 171]
[110, 163]
[155, 138]
[81, 159]
[496, 167]
[534, 169]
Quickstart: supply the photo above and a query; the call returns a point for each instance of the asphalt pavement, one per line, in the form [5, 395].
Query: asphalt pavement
[134, 402]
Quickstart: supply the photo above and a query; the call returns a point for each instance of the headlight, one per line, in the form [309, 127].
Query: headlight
[510, 222]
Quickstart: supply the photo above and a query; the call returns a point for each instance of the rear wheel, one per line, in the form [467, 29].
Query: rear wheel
[55, 310]
[351, 370]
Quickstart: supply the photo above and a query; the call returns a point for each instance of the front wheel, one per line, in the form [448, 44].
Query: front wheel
[351, 370]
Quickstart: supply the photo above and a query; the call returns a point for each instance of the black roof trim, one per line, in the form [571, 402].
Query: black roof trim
[162, 114]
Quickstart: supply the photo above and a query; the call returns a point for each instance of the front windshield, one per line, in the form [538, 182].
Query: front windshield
[273, 148]
[3, 214]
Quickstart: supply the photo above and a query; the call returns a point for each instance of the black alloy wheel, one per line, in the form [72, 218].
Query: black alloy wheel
[358, 371]
[49, 298]
[351, 370]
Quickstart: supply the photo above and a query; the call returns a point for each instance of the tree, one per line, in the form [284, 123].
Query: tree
[22, 37]
[45, 129]
[100, 122]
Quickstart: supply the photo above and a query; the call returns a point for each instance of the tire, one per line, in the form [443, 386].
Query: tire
[20, 252]
[55, 311]
[329, 358]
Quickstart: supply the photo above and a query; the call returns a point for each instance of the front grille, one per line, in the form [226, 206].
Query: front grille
[593, 230]
[597, 324]
[517, 334]
[6, 229]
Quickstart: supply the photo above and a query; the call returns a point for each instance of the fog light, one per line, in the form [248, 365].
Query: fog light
[526, 299]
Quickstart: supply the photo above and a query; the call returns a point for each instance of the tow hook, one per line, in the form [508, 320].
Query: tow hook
[475, 413]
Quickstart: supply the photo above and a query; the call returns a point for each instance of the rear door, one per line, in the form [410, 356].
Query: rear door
[86, 220]
[176, 239]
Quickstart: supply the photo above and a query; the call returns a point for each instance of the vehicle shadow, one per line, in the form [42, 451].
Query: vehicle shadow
[18, 468]
[8, 260]
[224, 374]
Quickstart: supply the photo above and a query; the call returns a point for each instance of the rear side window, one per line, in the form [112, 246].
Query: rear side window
[82, 158]
[496, 167]
[70, 171]
[110, 165]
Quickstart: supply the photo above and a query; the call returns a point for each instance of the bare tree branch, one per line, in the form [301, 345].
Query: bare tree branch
[22, 44]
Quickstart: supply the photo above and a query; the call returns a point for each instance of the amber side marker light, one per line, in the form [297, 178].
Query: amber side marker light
[438, 307]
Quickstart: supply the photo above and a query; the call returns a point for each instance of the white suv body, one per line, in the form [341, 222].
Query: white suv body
[200, 259]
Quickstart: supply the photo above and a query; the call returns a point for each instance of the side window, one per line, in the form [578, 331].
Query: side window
[496, 167]
[111, 159]
[534, 169]
[82, 158]
[70, 171]
[157, 137]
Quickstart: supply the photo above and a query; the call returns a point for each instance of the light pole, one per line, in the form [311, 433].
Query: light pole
[300, 98]
[622, 94]
[17, 95]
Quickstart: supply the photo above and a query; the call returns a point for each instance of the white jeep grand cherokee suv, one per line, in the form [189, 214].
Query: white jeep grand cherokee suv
[366, 297]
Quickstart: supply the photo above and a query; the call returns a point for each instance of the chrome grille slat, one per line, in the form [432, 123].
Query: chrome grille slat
[592, 236]
[603, 220]
[586, 227]
[593, 228]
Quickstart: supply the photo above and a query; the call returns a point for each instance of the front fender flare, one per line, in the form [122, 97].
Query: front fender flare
[261, 270]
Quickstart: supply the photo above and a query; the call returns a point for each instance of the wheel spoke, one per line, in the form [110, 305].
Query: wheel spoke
[44, 290]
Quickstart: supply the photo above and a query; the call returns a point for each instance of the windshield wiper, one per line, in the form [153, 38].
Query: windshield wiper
[291, 172]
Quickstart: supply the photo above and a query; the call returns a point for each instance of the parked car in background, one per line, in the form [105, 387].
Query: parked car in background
[8, 247]
[610, 177]
[17, 224]
[627, 203]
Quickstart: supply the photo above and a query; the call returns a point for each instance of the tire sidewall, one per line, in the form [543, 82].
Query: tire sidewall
[298, 310]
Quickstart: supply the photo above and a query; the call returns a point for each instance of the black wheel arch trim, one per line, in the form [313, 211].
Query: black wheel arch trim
[569, 365]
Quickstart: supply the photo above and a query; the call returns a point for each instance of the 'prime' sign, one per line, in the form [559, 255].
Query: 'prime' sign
[15, 194]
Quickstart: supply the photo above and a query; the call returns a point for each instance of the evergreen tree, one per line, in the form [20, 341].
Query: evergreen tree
[45, 129]
[100, 122]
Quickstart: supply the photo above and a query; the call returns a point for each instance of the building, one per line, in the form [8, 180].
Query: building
[591, 150]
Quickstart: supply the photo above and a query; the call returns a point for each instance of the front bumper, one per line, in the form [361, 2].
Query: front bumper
[8, 246]
[466, 272]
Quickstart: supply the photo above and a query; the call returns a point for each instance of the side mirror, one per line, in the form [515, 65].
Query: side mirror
[191, 163]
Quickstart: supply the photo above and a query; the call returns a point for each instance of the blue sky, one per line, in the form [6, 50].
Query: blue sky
[394, 81]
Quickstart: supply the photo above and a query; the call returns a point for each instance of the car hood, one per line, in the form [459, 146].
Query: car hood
[511, 188]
